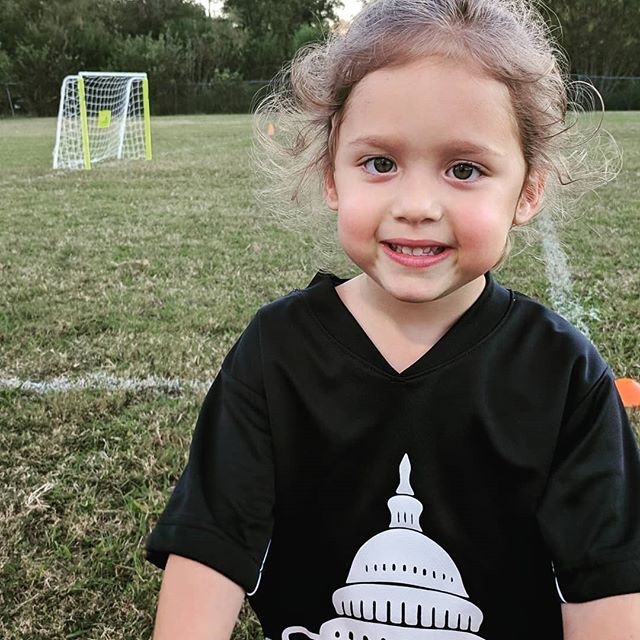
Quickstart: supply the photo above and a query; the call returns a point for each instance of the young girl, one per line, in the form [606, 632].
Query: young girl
[415, 453]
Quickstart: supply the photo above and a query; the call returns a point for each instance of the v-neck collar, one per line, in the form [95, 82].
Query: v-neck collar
[474, 325]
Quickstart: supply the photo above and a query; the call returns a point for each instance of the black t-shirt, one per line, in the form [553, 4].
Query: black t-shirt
[463, 498]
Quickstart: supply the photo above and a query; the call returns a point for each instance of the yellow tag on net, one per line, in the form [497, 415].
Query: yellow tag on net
[104, 119]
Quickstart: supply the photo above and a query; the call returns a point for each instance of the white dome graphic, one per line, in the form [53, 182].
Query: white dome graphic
[401, 585]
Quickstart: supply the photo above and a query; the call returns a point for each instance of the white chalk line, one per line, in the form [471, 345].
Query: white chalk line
[560, 290]
[559, 278]
[103, 382]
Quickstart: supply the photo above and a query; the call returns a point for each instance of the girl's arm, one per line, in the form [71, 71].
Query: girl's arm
[615, 618]
[196, 602]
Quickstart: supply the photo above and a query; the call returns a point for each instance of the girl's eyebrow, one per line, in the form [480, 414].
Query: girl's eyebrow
[474, 148]
[450, 146]
[373, 141]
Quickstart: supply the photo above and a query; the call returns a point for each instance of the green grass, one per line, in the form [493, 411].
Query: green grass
[139, 269]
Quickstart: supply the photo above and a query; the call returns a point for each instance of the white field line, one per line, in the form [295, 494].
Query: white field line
[559, 277]
[103, 382]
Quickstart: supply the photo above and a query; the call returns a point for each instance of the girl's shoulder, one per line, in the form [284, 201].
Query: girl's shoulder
[544, 336]
[294, 306]
[547, 324]
[285, 319]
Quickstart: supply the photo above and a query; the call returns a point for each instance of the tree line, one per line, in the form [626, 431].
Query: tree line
[180, 46]
[174, 41]
[602, 41]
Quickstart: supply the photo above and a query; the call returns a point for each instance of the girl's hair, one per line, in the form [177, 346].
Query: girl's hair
[298, 122]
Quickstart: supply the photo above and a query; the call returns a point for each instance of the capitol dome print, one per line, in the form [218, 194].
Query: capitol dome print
[402, 585]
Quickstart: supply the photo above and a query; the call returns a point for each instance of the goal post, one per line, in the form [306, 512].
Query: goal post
[102, 116]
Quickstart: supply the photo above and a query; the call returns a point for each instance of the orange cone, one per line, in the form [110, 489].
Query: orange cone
[270, 129]
[629, 391]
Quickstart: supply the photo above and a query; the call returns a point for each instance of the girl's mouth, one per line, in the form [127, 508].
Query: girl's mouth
[416, 251]
[417, 257]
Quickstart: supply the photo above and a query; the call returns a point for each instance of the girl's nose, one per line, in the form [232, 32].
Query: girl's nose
[417, 202]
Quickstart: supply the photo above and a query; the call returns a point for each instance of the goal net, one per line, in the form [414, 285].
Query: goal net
[102, 116]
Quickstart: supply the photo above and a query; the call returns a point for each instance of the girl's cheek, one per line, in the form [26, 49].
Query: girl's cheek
[481, 227]
[352, 224]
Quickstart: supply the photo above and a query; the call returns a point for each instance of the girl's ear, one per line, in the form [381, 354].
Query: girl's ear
[330, 191]
[530, 198]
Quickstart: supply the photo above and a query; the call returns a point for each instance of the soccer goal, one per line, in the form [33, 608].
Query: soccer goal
[102, 116]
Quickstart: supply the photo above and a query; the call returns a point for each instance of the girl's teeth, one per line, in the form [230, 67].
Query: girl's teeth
[417, 251]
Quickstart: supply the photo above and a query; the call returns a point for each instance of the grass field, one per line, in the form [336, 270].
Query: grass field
[153, 269]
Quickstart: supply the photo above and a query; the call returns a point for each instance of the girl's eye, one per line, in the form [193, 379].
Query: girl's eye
[464, 171]
[379, 165]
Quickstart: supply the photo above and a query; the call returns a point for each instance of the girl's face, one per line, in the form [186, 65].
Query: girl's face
[428, 178]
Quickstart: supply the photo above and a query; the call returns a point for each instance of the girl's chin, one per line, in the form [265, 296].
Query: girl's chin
[411, 294]
[413, 298]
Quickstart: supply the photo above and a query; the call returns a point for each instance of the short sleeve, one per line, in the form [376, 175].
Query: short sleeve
[221, 510]
[589, 515]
